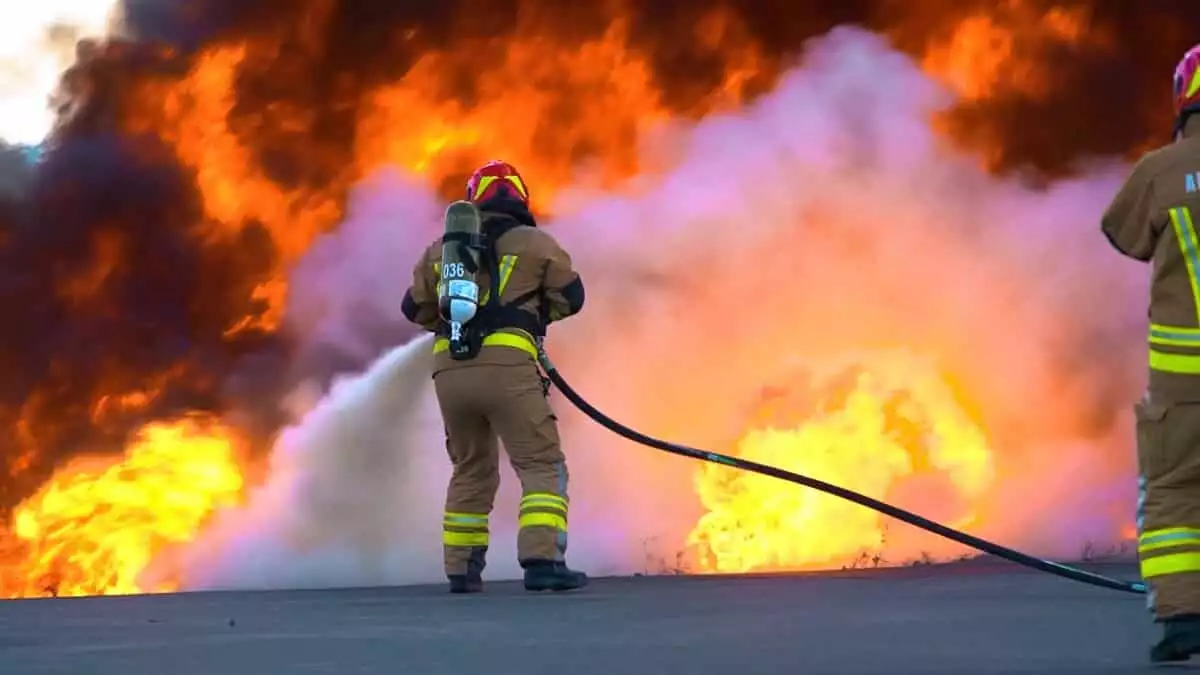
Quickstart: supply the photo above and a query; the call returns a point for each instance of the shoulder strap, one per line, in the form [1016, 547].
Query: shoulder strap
[495, 314]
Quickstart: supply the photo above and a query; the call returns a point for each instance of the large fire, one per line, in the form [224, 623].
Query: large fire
[899, 420]
[567, 111]
[96, 527]
[534, 110]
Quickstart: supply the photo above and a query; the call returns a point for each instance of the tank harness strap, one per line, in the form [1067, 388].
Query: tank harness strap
[466, 241]
[493, 315]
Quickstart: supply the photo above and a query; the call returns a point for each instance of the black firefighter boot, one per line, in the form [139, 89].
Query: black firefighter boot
[552, 575]
[472, 581]
[465, 583]
[1180, 640]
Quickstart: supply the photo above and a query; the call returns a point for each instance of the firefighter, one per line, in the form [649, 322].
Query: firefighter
[1153, 219]
[491, 387]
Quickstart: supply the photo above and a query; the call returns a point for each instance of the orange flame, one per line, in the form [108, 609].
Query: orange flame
[538, 111]
[988, 53]
[194, 116]
[96, 526]
[86, 284]
[548, 105]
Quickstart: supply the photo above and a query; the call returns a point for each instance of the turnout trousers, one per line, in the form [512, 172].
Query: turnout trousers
[1168, 517]
[482, 404]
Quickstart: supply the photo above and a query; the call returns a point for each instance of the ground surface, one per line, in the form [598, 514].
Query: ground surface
[972, 619]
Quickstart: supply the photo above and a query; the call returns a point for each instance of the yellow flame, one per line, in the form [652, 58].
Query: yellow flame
[98, 523]
[900, 420]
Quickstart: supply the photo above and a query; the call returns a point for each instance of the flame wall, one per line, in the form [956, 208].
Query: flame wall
[145, 263]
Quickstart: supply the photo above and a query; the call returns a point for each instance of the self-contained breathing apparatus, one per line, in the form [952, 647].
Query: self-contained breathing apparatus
[466, 250]
[458, 292]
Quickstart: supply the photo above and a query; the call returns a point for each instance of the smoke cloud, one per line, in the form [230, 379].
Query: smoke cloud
[777, 238]
[349, 493]
[196, 156]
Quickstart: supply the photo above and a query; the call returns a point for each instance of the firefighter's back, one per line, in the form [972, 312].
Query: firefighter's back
[524, 256]
[1173, 173]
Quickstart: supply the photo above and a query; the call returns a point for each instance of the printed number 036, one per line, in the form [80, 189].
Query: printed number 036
[454, 270]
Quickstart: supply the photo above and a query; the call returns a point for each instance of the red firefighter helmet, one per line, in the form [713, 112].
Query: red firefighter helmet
[1187, 84]
[495, 179]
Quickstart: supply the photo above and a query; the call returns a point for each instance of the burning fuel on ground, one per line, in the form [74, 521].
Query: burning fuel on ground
[858, 240]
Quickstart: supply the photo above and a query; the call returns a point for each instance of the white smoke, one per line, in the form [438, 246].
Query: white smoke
[356, 484]
[827, 216]
[350, 491]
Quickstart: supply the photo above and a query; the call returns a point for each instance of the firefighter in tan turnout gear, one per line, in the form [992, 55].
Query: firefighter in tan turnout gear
[1153, 219]
[488, 288]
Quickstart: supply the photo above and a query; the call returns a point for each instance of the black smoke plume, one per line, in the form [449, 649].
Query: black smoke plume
[106, 292]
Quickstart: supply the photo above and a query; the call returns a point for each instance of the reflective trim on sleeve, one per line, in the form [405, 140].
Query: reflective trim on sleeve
[1174, 335]
[1182, 364]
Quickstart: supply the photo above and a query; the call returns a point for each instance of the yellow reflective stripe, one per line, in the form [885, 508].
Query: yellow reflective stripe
[1185, 232]
[1175, 563]
[467, 516]
[1167, 537]
[1174, 335]
[506, 265]
[485, 181]
[554, 520]
[1150, 535]
[452, 518]
[533, 511]
[1180, 330]
[544, 495]
[511, 340]
[544, 499]
[544, 503]
[1182, 364]
[1194, 87]
[472, 539]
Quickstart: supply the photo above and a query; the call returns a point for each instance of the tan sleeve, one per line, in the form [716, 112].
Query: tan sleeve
[1129, 222]
[420, 304]
[562, 284]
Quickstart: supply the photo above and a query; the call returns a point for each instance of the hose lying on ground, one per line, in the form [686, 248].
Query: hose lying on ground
[863, 500]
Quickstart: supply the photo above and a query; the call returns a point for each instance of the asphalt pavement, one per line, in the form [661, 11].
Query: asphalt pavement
[967, 619]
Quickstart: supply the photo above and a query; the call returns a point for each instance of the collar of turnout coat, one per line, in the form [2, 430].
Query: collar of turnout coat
[1191, 125]
[496, 211]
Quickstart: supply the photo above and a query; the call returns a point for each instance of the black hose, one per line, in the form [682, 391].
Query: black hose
[863, 500]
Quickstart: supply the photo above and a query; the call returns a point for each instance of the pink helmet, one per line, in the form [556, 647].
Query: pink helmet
[494, 179]
[1187, 86]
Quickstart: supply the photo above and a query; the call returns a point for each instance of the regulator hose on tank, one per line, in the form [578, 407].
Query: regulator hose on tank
[984, 545]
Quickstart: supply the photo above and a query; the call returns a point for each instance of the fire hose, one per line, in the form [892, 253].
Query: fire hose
[984, 545]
